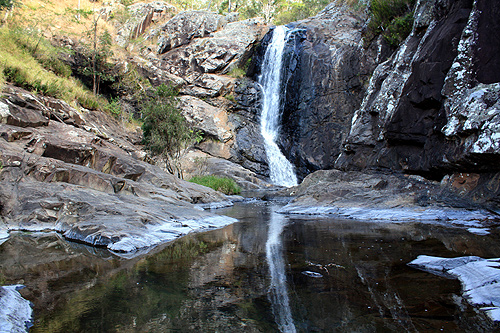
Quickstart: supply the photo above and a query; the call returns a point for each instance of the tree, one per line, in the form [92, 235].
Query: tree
[166, 132]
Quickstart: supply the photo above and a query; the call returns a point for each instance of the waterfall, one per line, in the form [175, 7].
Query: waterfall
[278, 291]
[280, 169]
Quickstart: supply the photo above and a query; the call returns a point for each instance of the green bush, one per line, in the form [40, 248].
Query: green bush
[222, 184]
[166, 132]
[6, 4]
[114, 107]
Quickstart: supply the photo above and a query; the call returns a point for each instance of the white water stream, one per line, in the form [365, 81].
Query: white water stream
[280, 169]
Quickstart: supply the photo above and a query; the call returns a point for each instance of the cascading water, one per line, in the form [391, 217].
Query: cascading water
[280, 169]
[278, 291]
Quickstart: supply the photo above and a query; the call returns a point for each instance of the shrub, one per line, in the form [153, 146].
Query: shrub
[230, 97]
[6, 4]
[114, 107]
[166, 132]
[221, 184]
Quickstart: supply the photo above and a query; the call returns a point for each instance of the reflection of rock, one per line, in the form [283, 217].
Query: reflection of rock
[480, 278]
[80, 174]
[15, 311]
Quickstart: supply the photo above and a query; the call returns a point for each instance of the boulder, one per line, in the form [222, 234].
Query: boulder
[208, 85]
[210, 120]
[217, 53]
[385, 197]
[198, 163]
[185, 26]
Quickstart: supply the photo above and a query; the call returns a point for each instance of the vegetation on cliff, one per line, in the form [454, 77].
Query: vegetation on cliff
[393, 19]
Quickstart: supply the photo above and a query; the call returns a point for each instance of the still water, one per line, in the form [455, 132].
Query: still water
[267, 272]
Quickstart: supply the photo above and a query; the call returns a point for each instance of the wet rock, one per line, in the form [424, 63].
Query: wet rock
[326, 69]
[384, 197]
[479, 278]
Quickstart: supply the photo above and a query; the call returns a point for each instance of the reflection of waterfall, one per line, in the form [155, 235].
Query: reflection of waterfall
[280, 169]
[278, 292]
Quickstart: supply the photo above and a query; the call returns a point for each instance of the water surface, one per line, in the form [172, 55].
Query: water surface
[339, 276]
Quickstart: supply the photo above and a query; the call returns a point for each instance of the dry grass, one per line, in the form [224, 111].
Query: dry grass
[19, 66]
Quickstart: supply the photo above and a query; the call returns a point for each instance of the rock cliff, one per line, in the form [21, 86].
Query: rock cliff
[432, 108]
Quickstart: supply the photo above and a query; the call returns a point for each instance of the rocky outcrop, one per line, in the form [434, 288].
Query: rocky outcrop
[202, 42]
[79, 173]
[206, 118]
[195, 51]
[432, 109]
[186, 26]
[197, 163]
[385, 197]
[141, 17]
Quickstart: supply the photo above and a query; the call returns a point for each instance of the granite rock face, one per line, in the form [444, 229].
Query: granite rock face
[142, 16]
[79, 173]
[432, 109]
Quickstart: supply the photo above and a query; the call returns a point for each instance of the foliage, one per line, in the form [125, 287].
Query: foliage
[95, 57]
[33, 41]
[6, 4]
[236, 72]
[291, 11]
[166, 131]
[114, 107]
[231, 98]
[222, 184]
[391, 18]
